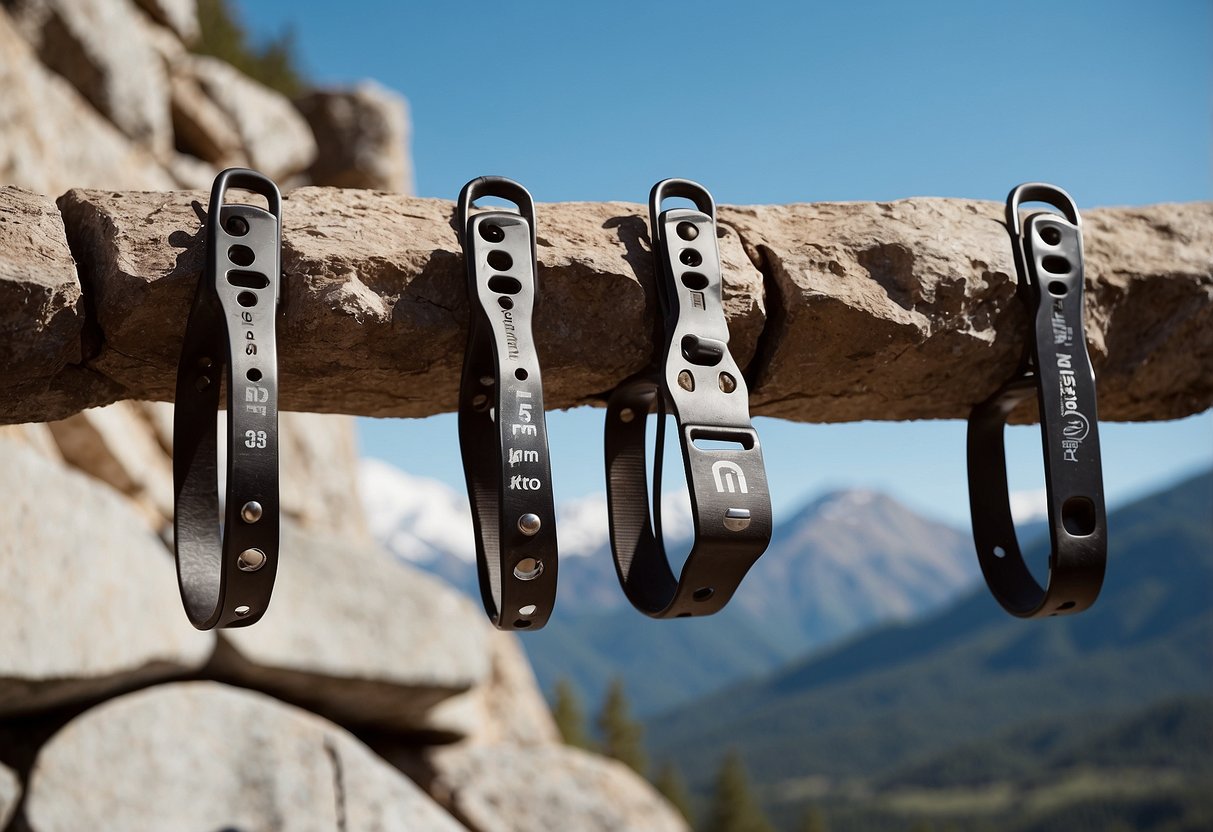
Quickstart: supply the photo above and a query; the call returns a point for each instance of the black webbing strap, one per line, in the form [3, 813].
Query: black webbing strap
[1055, 365]
[226, 576]
[700, 384]
[502, 432]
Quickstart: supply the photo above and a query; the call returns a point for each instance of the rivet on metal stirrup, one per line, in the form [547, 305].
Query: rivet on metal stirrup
[1055, 366]
[502, 433]
[226, 577]
[698, 382]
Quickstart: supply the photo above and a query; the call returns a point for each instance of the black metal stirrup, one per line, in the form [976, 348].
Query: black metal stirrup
[699, 382]
[1055, 365]
[502, 434]
[226, 577]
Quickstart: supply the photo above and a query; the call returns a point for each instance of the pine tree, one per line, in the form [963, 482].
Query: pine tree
[674, 789]
[813, 821]
[622, 736]
[733, 807]
[569, 716]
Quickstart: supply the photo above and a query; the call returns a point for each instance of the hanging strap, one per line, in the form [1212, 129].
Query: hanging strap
[699, 383]
[502, 432]
[1055, 366]
[227, 575]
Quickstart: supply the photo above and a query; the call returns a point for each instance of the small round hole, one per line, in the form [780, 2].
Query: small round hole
[1000, 552]
[503, 285]
[688, 230]
[690, 257]
[528, 569]
[703, 593]
[1054, 264]
[500, 260]
[683, 615]
[1056, 287]
[243, 610]
[253, 375]
[505, 303]
[491, 232]
[520, 374]
[522, 623]
[626, 415]
[236, 226]
[246, 299]
[1068, 605]
[202, 383]
[204, 363]
[694, 280]
[529, 609]
[241, 255]
[1078, 516]
[1051, 234]
[480, 402]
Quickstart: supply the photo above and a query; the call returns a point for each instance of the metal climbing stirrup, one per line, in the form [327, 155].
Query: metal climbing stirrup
[502, 433]
[697, 381]
[227, 575]
[1055, 366]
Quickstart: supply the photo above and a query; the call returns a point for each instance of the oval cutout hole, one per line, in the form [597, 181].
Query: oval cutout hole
[528, 569]
[253, 374]
[505, 303]
[246, 299]
[522, 623]
[694, 280]
[503, 285]
[1078, 516]
[690, 257]
[529, 609]
[236, 226]
[1056, 287]
[500, 260]
[999, 552]
[521, 374]
[1068, 605]
[491, 232]
[243, 610]
[248, 280]
[1051, 234]
[1054, 264]
[703, 593]
[241, 255]
[703, 443]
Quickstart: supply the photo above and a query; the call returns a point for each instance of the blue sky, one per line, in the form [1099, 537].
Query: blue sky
[787, 102]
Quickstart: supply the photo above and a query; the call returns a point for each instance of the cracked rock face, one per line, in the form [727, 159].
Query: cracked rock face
[357, 636]
[202, 756]
[363, 138]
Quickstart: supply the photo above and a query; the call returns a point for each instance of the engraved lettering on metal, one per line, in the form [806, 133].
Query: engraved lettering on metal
[694, 378]
[1055, 369]
[502, 432]
[226, 569]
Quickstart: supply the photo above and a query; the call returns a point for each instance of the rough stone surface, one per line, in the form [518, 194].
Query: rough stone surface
[363, 136]
[88, 599]
[508, 707]
[51, 139]
[10, 794]
[907, 310]
[889, 311]
[507, 788]
[98, 46]
[319, 461]
[117, 445]
[200, 126]
[179, 15]
[201, 756]
[276, 139]
[357, 636]
[41, 305]
[374, 292]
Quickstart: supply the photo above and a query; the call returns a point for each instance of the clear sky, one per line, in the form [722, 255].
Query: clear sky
[785, 102]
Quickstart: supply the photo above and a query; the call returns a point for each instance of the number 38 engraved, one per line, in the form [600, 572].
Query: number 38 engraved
[254, 439]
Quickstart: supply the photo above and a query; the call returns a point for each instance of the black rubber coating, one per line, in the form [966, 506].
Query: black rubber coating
[697, 381]
[1055, 366]
[502, 431]
[226, 576]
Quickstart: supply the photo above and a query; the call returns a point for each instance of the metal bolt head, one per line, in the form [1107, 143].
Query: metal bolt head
[250, 560]
[251, 511]
[685, 381]
[529, 524]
